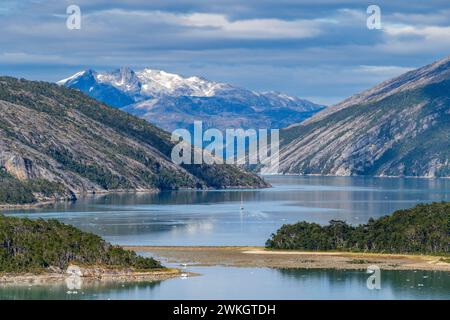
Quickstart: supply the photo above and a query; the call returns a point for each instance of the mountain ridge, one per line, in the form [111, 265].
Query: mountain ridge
[56, 134]
[400, 127]
[400, 82]
[171, 101]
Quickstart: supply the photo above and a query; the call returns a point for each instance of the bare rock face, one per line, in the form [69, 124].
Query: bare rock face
[21, 168]
[74, 270]
[398, 128]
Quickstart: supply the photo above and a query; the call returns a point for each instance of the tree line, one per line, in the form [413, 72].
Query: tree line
[35, 245]
[424, 229]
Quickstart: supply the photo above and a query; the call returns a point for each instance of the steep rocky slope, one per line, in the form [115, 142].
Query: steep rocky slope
[398, 128]
[51, 133]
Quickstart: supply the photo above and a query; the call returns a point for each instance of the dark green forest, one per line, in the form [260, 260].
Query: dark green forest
[424, 229]
[35, 245]
[15, 191]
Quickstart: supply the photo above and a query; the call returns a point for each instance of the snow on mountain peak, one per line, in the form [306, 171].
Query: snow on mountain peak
[71, 78]
[123, 79]
[154, 83]
[125, 85]
[158, 82]
[172, 101]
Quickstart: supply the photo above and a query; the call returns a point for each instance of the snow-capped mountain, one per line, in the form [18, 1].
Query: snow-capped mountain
[172, 101]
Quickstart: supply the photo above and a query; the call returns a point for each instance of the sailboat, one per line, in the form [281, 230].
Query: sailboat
[242, 203]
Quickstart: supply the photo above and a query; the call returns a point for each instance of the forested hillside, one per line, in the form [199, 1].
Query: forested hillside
[60, 137]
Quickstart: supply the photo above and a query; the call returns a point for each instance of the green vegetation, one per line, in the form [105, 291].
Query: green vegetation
[413, 153]
[424, 229]
[138, 156]
[222, 176]
[35, 245]
[93, 172]
[15, 191]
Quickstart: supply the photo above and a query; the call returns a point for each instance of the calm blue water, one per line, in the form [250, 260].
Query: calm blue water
[215, 218]
[257, 283]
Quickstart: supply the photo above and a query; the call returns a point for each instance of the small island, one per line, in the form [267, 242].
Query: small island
[42, 251]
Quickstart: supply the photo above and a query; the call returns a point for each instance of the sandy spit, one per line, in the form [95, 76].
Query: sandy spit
[261, 257]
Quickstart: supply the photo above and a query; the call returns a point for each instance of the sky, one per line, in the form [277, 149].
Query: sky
[320, 50]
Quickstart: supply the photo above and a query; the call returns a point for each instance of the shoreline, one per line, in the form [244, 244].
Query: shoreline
[254, 256]
[30, 205]
[95, 276]
[82, 195]
[351, 176]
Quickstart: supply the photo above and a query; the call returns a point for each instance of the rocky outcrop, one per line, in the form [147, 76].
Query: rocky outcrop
[21, 168]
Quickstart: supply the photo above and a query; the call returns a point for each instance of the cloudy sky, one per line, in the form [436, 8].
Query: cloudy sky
[317, 49]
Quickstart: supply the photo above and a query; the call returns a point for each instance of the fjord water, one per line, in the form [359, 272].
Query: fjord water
[255, 283]
[215, 218]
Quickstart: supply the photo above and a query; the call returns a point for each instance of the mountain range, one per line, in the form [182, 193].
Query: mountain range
[171, 101]
[55, 135]
[66, 141]
[400, 127]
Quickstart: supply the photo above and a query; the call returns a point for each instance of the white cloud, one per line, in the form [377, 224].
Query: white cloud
[412, 39]
[322, 48]
[254, 28]
[220, 26]
[436, 18]
[387, 71]
[428, 32]
[399, 30]
[25, 58]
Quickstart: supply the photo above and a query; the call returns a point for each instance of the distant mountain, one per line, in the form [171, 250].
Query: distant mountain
[400, 127]
[171, 101]
[54, 135]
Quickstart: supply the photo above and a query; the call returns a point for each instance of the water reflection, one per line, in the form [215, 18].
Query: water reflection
[394, 284]
[74, 283]
[256, 283]
[216, 218]
[91, 290]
